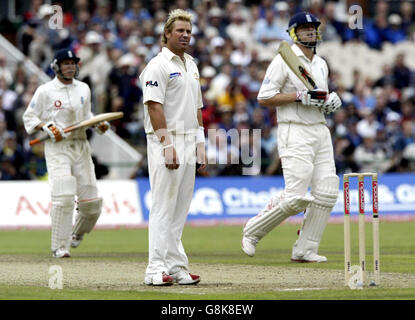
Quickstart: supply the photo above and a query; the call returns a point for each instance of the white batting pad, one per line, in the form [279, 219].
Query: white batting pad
[63, 193]
[88, 214]
[317, 215]
[276, 211]
[61, 226]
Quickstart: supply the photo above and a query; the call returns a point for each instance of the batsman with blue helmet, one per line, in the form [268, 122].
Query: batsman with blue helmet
[304, 145]
[55, 105]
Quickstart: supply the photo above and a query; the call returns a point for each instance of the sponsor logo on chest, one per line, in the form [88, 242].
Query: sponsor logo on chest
[175, 75]
[58, 104]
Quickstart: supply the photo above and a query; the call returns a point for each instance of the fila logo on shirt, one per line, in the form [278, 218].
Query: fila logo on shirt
[58, 104]
[151, 83]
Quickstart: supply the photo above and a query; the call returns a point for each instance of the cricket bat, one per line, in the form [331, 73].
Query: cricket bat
[84, 124]
[292, 60]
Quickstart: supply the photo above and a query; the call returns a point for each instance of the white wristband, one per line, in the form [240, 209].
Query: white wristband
[168, 146]
[200, 135]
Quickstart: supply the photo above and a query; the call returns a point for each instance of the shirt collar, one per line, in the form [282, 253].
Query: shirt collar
[58, 84]
[169, 54]
[299, 52]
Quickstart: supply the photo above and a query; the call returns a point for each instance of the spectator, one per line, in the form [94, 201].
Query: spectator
[7, 99]
[406, 11]
[241, 55]
[369, 156]
[35, 162]
[267, 31]
[376, 32]
[4, 71]
[218, 151]
[45, 39]
[217, 45]
[12, 159]
[386, 78]
[95, 68]
[216, 23]
[123, 80]
[401, 72]
[231, 96]
[368, 125]
[363, 97]
[282, 16]
[238, 30]
[406, 136]
[333, 21]
[241, 114]
[396, 32]
[137, 12]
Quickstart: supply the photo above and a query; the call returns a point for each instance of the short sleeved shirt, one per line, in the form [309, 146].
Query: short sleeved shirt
[175, 85]
[279, 78]
[64, 104]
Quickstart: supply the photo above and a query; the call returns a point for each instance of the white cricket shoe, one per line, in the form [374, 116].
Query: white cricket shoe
[76, 240]
[61, 253]
[249, 245]
[158, 279]
[184, 277]
[309, 256]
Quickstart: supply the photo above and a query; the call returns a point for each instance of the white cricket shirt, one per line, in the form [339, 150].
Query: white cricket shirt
[280, 79]
[168, 81]
[63, 104]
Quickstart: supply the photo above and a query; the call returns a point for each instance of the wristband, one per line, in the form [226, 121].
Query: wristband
[168, 146]
[200, 135]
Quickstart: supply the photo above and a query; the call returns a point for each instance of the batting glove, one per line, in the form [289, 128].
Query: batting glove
[55, 133]
[332, 104]
[102, 127]
[315, 98]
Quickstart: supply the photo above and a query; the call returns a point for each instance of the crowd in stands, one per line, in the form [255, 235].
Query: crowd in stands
[373, 131]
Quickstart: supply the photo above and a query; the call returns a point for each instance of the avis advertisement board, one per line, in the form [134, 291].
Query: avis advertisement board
[239, 198]
[28, 203]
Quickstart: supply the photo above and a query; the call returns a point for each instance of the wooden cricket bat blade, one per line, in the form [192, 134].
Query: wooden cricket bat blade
[84, 124]
[294, 63]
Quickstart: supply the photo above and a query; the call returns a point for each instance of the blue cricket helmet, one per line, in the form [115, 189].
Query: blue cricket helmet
[64, 54]
[302, 18]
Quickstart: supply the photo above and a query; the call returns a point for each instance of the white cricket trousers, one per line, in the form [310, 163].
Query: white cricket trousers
[72, 158]
[71, 172]
[306, 153]
[171, 192]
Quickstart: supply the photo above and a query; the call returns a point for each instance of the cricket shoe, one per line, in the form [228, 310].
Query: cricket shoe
[158, 279]
[249, 245]
[76, 240]
[61, 253]
[309, 256]
[184, 277]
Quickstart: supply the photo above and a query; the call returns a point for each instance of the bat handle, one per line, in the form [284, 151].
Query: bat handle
[38, 140]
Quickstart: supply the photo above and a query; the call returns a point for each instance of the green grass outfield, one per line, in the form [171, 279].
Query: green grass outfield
[213, 246]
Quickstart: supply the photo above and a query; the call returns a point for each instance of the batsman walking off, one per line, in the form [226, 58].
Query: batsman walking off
[174, 127]
[304, 145]
[55, 105]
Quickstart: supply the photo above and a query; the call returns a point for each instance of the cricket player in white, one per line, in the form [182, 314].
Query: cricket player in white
[304, 145]
[174, 127]
[55, 105]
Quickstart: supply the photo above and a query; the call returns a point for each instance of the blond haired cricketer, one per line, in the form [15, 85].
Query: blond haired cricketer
[175, 143]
